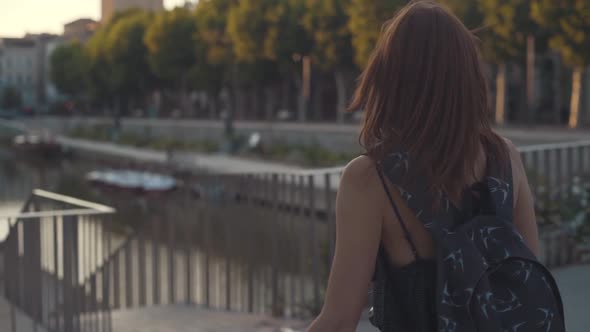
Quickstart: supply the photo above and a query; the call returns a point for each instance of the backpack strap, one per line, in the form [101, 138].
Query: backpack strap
[398, 215]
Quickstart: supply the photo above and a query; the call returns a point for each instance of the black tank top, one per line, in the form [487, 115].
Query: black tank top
[404, 298]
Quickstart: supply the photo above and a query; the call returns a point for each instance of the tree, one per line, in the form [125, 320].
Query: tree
[569, 23]
[217, 50]
[326, 21]
[172, 48]
[507, 24]
[266, 34]
[99, 69]
[467, 11]
[366, 19]
[126, 54]
[69, 69]
[11, 98]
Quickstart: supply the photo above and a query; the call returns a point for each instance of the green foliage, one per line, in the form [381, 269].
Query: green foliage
[366, 20]
[69, 69]
[11, 98]
[268, 32]
[507, 23]
[569, 24]
[104, 70]
[326, 21]
[126, 54]
[467, 11]
[211, 16]
[171, 42]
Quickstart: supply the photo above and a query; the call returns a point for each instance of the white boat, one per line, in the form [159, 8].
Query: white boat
[133, 180]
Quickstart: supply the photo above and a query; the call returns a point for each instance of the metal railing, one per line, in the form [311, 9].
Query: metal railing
[53, 259]
[256, 243]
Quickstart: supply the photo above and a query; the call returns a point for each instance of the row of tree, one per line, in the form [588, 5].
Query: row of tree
[251, 52]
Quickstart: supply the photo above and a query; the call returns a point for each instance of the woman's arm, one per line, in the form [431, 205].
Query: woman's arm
[524, 207]
[358, 232]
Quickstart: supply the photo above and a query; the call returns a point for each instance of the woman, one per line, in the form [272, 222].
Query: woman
[425, 97]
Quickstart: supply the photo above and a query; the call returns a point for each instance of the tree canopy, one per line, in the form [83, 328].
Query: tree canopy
[69, 69]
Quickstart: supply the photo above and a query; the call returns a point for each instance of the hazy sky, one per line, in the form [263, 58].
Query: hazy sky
[18, 17]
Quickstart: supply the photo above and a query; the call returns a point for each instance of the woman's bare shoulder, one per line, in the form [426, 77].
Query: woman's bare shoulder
[360, 176]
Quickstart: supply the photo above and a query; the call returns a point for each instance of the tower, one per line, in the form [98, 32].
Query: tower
[109, 7]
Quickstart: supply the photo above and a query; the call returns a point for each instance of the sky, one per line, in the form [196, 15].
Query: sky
[18, 17]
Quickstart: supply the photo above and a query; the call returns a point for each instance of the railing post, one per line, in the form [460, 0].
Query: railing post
[304, 239]
[155, 261]
[32, 269]
[330, 220]
[559, 172]
[70, 276]
[315, 254]
[128, 274]
[188, 265]
[570, 171]
[116, 279]
[251, 183]
[142, 269]
[171, 261]
[56, 272]
[275, 246]
[227, 203]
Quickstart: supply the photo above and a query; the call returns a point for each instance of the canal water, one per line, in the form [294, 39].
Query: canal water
[175, 249]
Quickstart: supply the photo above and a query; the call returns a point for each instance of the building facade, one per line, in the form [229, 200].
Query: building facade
[19, 68]
[109, 7]
[80, 30]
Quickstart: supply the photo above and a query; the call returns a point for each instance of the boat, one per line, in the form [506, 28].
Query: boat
[42, 145]
[134, 181]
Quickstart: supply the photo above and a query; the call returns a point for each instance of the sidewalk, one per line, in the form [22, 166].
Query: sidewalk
[573, 283]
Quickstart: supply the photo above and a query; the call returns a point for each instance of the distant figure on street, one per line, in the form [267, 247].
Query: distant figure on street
[436, 218]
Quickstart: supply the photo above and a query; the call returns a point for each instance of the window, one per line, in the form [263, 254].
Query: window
[8, 62]
[8, 78]
[29, 79]
[29, 62]
[19, 79]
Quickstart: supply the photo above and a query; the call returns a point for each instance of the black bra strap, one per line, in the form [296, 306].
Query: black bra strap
[399, 217]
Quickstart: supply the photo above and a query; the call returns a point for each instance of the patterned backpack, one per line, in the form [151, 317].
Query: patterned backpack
[486, 277]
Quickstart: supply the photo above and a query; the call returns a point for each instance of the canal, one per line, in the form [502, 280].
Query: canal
[172, 250]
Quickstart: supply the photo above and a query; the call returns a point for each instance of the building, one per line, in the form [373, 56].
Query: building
[109, 7]
[80, 30]
[19, 68]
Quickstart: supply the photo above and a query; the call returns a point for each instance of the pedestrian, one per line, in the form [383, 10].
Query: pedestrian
[436, 218]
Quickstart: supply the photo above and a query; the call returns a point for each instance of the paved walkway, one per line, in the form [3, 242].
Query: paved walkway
[573, 282]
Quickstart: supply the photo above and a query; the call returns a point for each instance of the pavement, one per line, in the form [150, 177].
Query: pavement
[572, 281]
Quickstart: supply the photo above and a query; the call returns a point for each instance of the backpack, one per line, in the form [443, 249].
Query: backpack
[486, 277]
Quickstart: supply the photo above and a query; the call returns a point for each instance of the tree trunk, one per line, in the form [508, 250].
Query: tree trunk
[184, 109]
[305, 88]
[342, 94]
[556, 85]
[285, 94]
[318, 99]
[501, 94]
[212, 106]
[270, 98]
[530, 78]
[575, 98]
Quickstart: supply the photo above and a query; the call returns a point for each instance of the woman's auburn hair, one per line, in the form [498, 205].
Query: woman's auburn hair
[424, 90]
